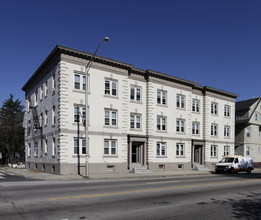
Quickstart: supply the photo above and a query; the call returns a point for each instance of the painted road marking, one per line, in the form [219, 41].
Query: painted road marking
[174, 181]
[150, 190]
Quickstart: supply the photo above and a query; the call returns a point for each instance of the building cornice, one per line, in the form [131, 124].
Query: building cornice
[58, 50]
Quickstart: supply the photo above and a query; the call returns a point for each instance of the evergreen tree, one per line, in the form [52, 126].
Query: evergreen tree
[11, 128]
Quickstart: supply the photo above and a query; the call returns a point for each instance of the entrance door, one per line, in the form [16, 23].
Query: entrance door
[197, 154]
[135, 157]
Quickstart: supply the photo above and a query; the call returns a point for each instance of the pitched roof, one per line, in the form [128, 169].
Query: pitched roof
[245, 104]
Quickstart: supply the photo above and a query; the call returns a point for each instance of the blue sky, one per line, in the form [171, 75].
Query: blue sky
[216, 43]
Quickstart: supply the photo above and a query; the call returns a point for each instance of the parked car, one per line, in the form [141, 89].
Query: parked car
[234, 164]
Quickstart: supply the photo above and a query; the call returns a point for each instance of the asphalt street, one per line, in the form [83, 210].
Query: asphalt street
[181, 197]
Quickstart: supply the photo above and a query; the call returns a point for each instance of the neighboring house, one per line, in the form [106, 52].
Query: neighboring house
[136, 117]
[248, 129]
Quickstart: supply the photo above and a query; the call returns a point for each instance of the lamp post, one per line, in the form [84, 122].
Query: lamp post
[88, 66]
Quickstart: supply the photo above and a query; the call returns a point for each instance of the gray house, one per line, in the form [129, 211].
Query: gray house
[248, 129]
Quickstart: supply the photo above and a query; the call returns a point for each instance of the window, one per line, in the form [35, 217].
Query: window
[36, 98]
[135, 121]
[46, 118]
[226, 150]
[79, 113]
[53, 147]
[195, 105]
[161, 123]
[180, 149]
[53, 114]
[110, 147]
[258, 118]
[41, 93]
[214, 130]
[46, 146]
[180, 125]
[248, 132]
[110, 87]
[135, 93]
[53, 83]
[227, 111]
[226, 131]
[41, 120]
[79, 144]
[162, 97]
[161, 149]
[195, 128]
[46, 89]
[76, 81]
[181, 101]
[29, 127]
[110, 117]
[84, 82]
[213, 151]
[247, 150]
[29, 150]
[214, 108]
[36, 149]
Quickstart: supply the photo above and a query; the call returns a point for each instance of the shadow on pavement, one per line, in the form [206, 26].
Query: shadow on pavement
[248, 208]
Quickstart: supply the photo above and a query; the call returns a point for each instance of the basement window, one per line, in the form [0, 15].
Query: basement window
[181, 166]
[161, 166]
[111, 168]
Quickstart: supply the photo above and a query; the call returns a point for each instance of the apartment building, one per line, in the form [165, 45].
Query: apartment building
[136, 118]
[248, 129]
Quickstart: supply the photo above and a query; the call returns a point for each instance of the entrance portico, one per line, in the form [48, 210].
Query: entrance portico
[137, 150]
[197, 153]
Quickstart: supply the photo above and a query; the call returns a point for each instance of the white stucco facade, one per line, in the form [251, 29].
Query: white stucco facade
[135, 117]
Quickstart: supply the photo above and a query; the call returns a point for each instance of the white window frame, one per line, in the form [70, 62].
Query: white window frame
[161, 123]
[227, 131]
[29, 151]
[248, 132]
[214, 130]
[226, 150]
[53, 83]
[195, 128]
[134, 94]
[180, 125]
[111, 87]
[227, 111]
[195, 105]
[46, 118]
[247, 150]
[53, 115]
[161, 149]
[213, 150]
[110, 147]
[41, 92]
[46, 88]
[181, 101]
[161, 97]
[110, 117]
[80, 147]
[53, 146]
[180, 149]
[46, 145]
[135, 121]
[36, 98]
[214, 108]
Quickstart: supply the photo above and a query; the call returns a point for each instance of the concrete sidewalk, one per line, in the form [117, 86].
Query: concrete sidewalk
[36, 175]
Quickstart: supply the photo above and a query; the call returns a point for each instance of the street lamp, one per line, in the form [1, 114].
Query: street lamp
[88, 66]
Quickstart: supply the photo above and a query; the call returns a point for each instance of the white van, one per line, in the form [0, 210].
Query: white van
[234, 164]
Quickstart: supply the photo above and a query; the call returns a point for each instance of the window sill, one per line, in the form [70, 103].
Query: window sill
[215, 115]
[135, 129]
[136, 102]
[159, 131]
[196, 112]
[182, 133]
[80, 91]
[158, 156]
[178, 108]
[110, 156]
[81, 156]
[111, 96]
[180, 157]
[110, 126]
[162, 105]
